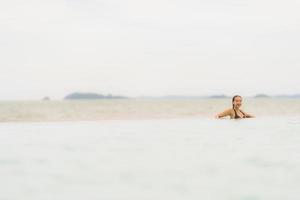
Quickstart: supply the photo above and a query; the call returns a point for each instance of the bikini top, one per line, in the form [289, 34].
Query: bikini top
[236, 116]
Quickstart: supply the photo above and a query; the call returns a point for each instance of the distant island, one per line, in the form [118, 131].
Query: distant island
[261, 96]
[95, 96]
[46, 98]
[218, 96]
[91, 96]
[288, 96]
[183, 97]
[291, 96]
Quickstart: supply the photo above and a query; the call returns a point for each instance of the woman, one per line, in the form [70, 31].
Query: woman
[235, 112]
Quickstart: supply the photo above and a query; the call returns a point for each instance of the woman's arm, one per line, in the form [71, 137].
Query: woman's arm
[248, 115]
[224, 114]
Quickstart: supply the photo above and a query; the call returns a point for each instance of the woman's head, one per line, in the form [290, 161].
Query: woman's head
[237, 101]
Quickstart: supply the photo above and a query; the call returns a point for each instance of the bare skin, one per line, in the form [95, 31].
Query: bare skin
[237, 103]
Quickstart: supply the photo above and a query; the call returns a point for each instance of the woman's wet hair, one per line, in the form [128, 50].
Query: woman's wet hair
[233, 98]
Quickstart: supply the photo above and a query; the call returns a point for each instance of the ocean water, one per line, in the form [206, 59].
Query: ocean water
[142, 156]
[139, 109]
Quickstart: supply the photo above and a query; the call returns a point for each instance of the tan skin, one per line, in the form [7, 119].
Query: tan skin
[237, 103]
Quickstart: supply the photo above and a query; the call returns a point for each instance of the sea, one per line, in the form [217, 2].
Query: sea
[149, 149]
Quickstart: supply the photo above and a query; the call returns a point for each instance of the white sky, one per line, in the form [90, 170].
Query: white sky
[157, 47]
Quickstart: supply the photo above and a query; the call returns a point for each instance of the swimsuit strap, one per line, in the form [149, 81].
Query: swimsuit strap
[243, 114]
[236, 116]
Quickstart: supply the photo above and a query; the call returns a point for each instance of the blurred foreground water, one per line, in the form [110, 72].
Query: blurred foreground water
[190, 156]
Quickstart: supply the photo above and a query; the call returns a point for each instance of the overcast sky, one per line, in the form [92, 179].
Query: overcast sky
[157, 47]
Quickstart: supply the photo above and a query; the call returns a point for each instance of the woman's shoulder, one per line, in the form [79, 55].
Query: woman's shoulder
[230, 110]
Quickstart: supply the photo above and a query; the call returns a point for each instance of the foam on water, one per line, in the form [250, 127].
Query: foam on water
[151, 159]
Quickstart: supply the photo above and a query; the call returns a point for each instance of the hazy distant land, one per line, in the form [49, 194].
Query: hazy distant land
[82, 96]
[95, 96]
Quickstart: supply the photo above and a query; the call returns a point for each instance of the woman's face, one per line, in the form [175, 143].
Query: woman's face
[237, 103]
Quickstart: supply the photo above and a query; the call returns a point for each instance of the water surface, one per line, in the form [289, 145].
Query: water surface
[184, 158]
